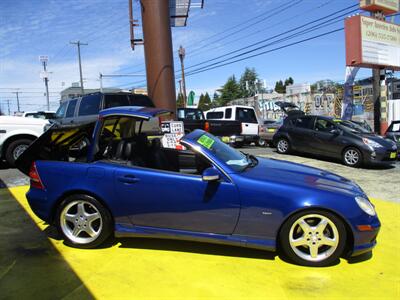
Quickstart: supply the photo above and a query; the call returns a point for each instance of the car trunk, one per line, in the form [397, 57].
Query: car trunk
[60, 142]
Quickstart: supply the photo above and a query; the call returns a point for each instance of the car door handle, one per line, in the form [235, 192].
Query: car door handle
[247, 125]
[128, 179]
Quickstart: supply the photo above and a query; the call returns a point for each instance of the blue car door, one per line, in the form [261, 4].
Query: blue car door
[175, 200]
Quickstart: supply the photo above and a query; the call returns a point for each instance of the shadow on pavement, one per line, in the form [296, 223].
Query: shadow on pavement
[30, 267]
[4, 165]
[194, 247]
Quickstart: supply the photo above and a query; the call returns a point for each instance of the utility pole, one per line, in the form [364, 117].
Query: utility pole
[376, 84]
[78, 44]
[44, 59]
[182, 53]
[17, 93]
[158, 53]
[8, 106]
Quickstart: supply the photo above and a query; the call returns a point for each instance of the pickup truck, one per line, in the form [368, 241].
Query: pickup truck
[16, 133]
[228, 130]
[245, 116]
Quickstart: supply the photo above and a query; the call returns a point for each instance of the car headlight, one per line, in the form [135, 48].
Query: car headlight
[366, 206]
[371, 143]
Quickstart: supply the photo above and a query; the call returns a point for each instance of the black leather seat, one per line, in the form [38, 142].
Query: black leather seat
[157, 158]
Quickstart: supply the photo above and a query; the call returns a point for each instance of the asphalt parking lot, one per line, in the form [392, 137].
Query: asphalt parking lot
[34, 262]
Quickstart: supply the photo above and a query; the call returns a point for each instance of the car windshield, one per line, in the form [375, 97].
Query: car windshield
[350, 126]
[233, 158]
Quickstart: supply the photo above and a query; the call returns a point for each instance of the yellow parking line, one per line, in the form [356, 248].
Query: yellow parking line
[154, 269]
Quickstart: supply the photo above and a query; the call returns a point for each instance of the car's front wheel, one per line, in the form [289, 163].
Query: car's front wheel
[283, 146]
[83, 221]
[313, 238]
[352, 157]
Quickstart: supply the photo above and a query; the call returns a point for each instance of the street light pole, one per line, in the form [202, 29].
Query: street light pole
[44, 59]
[17, 93]
[181, 52]
[79, 43]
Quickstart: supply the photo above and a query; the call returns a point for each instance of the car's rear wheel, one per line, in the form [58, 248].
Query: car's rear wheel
[313, 238]
[15, 149]
[261, 142]
[352, 157]
[83, 221]
[283, 146]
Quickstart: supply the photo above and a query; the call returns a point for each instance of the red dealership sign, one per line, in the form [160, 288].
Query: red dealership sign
[372, 43]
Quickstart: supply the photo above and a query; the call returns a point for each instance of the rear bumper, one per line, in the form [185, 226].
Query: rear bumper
[39, 204]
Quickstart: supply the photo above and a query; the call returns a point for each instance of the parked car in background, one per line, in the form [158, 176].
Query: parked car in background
[363, 124]
[393, 133]
[125, 186]
[193, 118]
[86, 109]
[335, 138]
[267, 131]
[16, 134]
[45, 115]
[245, 115]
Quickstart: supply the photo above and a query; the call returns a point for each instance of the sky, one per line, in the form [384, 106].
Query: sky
[46, 27]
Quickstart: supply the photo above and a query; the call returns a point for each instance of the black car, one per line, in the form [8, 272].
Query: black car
[334, 138]
[393, 133]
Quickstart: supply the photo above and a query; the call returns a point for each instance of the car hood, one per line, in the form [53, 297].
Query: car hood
[279, 171]
[12, 120]
[376, 138]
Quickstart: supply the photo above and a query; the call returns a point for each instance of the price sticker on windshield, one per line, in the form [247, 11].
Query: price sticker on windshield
[206, 141]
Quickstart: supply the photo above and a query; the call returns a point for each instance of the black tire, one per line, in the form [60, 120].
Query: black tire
[334, 232]
[283, 146]
[104, 226]
[13, 149]
[237, 144]
[261, 142]
[352, 157]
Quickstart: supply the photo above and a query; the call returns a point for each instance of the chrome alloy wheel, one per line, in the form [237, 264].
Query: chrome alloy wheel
[313, 237]
[351, 157]
[283, 146]
[81, 222]
[18, 150]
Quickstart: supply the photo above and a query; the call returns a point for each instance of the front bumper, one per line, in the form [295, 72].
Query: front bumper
[381, 156]
[365, 241]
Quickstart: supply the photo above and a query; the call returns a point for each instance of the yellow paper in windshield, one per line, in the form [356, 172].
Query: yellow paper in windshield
[206, 141]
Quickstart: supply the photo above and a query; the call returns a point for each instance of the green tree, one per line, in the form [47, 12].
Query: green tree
[279, 87]
[204, 102]
[249, 82]
[180, 101]
[289, 81]
[229, 91]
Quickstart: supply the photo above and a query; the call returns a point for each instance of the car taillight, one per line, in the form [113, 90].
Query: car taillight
[36, 182]
[207, 126]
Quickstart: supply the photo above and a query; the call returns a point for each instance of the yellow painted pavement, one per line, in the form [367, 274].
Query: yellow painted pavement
[158, 269]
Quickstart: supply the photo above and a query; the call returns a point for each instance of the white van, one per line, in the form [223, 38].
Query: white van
[246, 115]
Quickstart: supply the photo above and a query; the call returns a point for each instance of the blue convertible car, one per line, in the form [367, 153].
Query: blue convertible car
[108, 178]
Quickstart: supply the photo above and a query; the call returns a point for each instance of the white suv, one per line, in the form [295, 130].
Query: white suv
[16, 133]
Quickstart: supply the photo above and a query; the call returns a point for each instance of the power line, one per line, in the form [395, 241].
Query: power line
[277, 35]
[271, 13]
[265, 52]
[246, 36]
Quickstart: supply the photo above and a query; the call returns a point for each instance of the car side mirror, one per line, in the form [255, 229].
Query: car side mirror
[211, 174]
